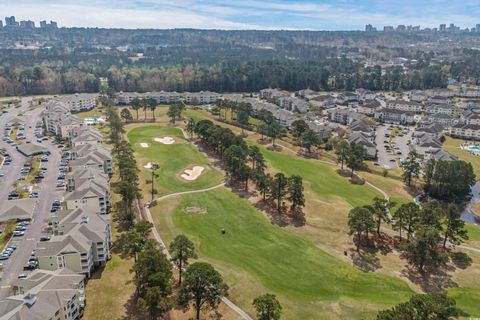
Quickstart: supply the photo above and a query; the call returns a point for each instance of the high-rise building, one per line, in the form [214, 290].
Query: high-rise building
[388, 28]
[370, 28]
[1, 24]
[401, 27]
[53, 24]
[43, 24]
[10, 22]
[27, 24]
[443, 27]
[477, 27]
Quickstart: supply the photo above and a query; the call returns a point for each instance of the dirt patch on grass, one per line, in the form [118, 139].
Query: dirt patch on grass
[144, 145]
[195, 210]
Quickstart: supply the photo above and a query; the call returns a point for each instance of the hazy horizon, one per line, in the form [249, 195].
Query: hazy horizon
[325, 15]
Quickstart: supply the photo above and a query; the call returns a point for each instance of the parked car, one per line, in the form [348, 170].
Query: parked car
[18, 233]
[45, 238]
[30, 265]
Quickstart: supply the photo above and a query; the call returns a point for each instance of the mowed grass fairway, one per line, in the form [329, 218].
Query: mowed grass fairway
[321, 178]
[256, 256]
[173, 159]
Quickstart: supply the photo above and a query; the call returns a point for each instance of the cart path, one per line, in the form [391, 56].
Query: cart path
[159, 239]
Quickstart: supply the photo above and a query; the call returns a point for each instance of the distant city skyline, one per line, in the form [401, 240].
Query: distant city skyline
[246, 14]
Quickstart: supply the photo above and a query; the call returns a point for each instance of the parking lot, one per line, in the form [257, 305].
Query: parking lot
[25, 241]
[391, 150]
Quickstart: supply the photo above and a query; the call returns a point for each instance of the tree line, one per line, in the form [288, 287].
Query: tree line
[243, 163]
[227, 76]
[423, 231]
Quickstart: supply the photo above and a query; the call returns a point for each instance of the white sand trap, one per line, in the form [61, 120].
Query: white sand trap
[143, 145]
[164, 140]
[148, 166]
[192, 174]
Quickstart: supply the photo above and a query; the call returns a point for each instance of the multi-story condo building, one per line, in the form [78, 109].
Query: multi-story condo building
[98, 158]
[464, 131]
[202, 97]
[163, 97]
[44, 294]
[78, 102]
[441, 108]
[85, 135]
[95, 227]
[404, 105]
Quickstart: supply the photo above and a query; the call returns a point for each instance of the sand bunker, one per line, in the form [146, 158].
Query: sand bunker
[143, 145]
[192, 174]
[164, 140]
[148, 166]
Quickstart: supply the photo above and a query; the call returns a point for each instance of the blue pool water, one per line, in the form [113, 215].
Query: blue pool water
[474, 148]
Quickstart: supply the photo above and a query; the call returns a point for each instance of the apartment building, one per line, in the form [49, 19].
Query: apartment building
[98, 158]
[58, 120]
[78, 102]
[91, 197]
[76, 179]
[403, 105]
[418, 95]
[293, 104]
[85, 135]
[344, 115]
[44, 294]
[74, 251]
[272, 95]
[125, 98]
[395, 116]
[95, 227]
[464, 131]
[470, 117]
[202, 97]
[163, 97]
[323, 101]
[441, 108]
[366, 140]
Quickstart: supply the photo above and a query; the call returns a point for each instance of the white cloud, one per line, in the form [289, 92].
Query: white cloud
[96, 15]
[243, 14]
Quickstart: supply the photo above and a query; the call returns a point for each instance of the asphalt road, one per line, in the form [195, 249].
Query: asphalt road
[14, 265]
[13, 170]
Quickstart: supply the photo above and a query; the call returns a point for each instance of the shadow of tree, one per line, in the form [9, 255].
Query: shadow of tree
[366, 262]
[432, 280]
[461, 260]
[134, 310]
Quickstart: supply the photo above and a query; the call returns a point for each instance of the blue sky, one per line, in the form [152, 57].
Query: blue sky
[246, 14]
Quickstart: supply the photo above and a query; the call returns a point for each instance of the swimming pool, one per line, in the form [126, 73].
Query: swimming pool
[473, 148]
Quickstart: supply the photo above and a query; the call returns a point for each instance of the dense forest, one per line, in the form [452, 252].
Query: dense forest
[73, 60]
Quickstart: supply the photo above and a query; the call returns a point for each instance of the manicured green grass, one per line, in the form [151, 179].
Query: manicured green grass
[302, 275]
[94, 113]
[453, 146]
[467, 299]
[173, 159]
[322, 178]
[473, 232]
